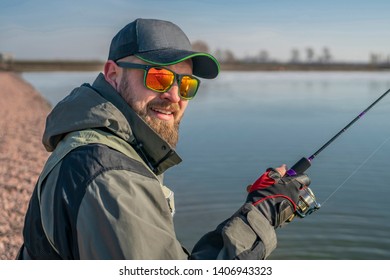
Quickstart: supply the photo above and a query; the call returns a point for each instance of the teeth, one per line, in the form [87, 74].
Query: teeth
[163, 111]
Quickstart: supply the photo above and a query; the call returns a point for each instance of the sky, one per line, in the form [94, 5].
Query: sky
[52, 29]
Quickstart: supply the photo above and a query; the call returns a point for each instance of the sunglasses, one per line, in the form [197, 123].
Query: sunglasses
[160, 79]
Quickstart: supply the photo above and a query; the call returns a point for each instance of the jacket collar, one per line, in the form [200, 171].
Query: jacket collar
[156, 152]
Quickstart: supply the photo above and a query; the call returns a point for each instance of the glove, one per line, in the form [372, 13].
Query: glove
[275, 196]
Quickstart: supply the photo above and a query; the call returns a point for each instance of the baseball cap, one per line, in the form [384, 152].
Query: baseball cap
[163, 43]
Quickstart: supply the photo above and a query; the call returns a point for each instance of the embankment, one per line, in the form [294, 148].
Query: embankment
[22, 119]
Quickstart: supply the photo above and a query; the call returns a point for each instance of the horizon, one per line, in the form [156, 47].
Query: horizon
[352, 31]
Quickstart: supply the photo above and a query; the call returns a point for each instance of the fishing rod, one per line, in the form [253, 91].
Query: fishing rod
[307, 203]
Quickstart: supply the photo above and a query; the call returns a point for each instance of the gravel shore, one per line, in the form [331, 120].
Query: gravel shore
[23, 113]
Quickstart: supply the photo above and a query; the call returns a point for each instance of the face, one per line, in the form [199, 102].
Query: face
[161, 111]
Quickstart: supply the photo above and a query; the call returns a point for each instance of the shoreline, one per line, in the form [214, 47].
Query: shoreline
[22, 120]
[95, 65]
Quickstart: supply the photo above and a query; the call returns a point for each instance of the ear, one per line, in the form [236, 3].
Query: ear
[112, 73]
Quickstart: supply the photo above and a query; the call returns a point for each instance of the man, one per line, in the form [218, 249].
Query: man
[101, 193]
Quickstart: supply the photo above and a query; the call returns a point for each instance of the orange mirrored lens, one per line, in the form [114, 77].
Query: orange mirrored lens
[188, 87]
[159, 79]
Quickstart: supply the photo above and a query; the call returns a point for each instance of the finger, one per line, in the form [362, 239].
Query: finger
[282, 169]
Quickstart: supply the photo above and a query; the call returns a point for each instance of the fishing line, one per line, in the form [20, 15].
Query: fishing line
[307, 202]
[356, 170]
[304, 163]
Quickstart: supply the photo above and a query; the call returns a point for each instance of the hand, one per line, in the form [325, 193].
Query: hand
[275, 196]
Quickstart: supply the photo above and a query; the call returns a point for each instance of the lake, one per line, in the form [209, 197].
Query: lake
[244, 122]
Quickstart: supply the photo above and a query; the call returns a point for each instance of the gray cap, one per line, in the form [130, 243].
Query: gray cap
[161, 43]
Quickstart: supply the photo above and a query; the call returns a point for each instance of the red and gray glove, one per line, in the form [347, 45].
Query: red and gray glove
[275, 196]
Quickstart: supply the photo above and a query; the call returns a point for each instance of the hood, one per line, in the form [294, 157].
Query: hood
[100, 106]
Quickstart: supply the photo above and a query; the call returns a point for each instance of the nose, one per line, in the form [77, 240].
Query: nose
[172, 94]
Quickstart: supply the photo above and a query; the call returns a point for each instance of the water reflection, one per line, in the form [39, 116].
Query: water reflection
[243, 122]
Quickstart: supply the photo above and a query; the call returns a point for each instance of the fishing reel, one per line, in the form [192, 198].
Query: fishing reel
[307, 203]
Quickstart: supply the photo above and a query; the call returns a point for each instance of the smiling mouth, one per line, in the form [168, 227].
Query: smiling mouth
[162, 111]
[164, 114]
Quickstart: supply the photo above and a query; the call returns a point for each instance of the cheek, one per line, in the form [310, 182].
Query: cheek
[183, 106]
[139, 103]
[137, 96]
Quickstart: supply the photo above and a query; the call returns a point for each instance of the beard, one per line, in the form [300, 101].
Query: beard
[166, 130]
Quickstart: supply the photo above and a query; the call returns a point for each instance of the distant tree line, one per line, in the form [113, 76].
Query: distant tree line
[307, 55]
[376, 58]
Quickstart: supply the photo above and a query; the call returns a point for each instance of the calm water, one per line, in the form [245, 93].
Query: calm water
[242, 123]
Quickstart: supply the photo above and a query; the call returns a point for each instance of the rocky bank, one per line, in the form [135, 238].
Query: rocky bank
[22, 119]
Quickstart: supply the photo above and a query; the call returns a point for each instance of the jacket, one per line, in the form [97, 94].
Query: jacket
[101, 194]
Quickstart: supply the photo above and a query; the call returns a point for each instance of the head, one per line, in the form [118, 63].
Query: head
[161, 44]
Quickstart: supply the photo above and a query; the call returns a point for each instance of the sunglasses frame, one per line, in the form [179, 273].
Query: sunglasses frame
[146, 68]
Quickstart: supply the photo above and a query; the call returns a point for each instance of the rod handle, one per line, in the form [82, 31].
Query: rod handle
[299, 167]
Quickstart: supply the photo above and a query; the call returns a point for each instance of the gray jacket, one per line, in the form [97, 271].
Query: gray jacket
[101, 193]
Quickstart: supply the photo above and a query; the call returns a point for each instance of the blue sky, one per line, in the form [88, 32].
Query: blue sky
[351, 30]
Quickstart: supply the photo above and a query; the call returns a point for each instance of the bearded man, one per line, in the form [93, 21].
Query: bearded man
[101, 193]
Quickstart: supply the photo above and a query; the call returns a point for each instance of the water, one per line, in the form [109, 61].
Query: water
[244, 122]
